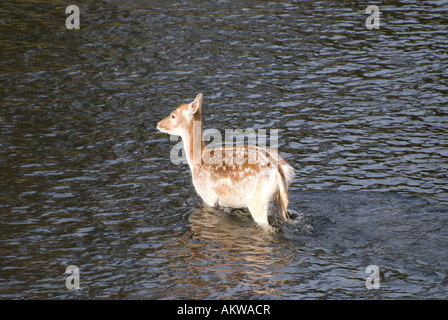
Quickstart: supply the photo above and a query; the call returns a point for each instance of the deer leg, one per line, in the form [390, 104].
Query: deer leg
[259, 211]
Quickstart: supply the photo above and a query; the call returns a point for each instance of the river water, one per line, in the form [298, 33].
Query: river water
[86, 179]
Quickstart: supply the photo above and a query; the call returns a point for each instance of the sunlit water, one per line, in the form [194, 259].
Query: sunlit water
[87, 180]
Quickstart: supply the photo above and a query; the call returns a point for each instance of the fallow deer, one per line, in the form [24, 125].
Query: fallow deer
[232, 176]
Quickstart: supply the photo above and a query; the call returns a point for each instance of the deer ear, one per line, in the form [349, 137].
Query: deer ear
[195, 105]
[199, 98]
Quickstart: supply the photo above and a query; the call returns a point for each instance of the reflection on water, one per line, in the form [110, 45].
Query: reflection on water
[232, 253]
[322, 253]
[86, 180]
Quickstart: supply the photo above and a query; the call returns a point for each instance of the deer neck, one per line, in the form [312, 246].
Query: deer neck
[194, 144]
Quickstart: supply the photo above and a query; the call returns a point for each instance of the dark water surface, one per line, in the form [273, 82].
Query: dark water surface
[87, 180]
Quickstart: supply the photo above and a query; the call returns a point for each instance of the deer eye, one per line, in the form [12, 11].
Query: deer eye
[173, 116]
